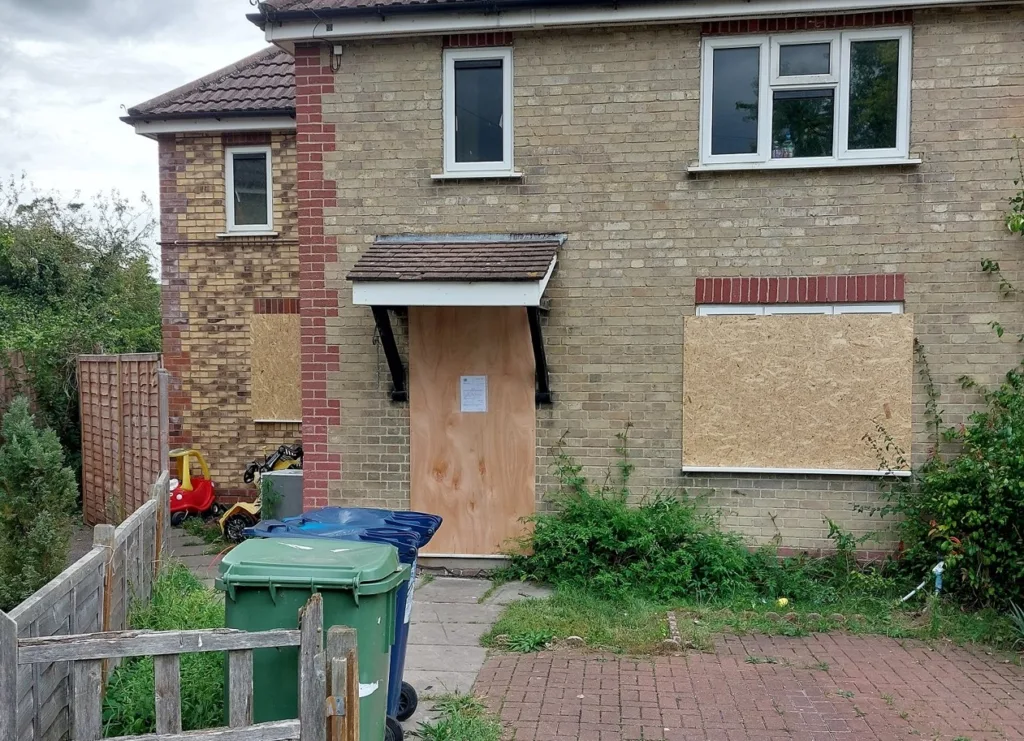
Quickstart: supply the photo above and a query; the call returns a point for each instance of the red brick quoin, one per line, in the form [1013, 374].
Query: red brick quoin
[819, 289]
[314, 138]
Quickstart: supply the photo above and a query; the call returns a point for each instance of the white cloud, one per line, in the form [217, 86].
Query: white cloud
[68, 68]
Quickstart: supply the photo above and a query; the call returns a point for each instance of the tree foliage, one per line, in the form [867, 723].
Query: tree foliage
[37, 497]
[74, 278]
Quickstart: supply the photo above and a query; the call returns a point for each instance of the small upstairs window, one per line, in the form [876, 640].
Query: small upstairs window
[478, 111]
[806, 99]
[248, 177]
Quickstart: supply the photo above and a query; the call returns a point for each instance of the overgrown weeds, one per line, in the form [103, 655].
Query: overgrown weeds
[179, 602]
[462, 718]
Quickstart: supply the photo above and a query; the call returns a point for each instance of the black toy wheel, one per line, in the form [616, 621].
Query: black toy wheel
[234, 526]
[177, 518]
[407, 702]
[393, 730]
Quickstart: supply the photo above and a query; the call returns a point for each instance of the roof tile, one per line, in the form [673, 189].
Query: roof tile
[263, 82]
[456, 261]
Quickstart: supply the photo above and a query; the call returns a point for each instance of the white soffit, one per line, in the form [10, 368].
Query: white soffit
[155, 127]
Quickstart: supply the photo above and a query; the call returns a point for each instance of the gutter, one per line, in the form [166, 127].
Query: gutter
[133, 118]
[427, 8]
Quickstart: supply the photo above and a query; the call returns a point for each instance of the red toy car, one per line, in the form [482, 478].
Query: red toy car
[191, 495]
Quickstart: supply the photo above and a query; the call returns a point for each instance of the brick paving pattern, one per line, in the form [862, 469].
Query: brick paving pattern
[822, 687]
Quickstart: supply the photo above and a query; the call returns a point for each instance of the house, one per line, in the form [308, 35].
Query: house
[750, 236]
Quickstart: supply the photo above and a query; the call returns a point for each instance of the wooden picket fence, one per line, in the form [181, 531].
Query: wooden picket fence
[328, 680]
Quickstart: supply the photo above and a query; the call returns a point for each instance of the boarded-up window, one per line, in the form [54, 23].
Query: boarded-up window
[795, 392]
[276, 371]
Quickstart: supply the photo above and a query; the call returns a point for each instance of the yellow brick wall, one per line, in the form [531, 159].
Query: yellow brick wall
[606, 123]
[210, 284]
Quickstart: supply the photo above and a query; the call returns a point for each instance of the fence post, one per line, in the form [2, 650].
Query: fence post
[343, 683]
[8, 678]
[161, 492]
[312, 672]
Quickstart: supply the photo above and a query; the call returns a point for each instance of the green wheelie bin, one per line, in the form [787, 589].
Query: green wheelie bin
[267, 581]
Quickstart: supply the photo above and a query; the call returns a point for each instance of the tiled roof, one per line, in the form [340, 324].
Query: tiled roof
[263, 83]
[456, 261]
[299, 6]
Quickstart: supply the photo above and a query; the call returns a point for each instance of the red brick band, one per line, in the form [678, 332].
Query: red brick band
[470, 40]
[808, 23]
[246, 138]
[318, 303]
[820, 289]
[275, 306]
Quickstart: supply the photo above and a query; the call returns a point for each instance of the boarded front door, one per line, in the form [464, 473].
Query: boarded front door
[472, 420]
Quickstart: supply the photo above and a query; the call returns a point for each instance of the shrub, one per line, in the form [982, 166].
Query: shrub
[37, 498]
[967, 509]
[179, 602]
[665, 548]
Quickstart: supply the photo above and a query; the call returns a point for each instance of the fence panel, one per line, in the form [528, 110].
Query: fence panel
[88, 597]
[124, 433]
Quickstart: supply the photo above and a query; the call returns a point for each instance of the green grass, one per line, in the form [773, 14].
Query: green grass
[639, 626]
[180, 601]
[208, 531]
[462, 718]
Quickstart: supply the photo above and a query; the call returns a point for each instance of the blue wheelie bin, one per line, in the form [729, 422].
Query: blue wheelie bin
[408, 532]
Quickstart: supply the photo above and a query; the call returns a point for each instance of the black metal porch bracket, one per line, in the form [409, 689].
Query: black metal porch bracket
[399, 392]
[543, 389]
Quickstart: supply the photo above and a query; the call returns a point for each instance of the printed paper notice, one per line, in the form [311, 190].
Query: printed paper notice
[473, 393]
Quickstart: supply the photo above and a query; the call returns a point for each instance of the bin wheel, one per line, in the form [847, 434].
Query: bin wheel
[407, 702]
[393, 730]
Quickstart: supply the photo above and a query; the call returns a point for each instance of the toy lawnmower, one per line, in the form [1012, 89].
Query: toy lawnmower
[191, 495]
[245, 514]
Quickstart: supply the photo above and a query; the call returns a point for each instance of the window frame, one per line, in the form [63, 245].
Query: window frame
[868, 307]
[229, 188]
[451, 56]
[839, 81]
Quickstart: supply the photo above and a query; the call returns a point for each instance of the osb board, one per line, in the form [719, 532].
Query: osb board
[795, 391]
[276, 371]
[474, 469]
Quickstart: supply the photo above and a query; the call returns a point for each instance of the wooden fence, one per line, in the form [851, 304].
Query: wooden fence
[14, 379]
[92, 595]
[328, 682]
[123, 408]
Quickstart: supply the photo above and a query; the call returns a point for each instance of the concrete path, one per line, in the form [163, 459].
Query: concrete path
[194, 553]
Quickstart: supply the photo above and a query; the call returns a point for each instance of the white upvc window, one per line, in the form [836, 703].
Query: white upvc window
[806, 99]
[773, 309]
[248, 176]
[477, 93]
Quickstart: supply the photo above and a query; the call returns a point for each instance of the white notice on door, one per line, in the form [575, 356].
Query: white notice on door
[473, 393]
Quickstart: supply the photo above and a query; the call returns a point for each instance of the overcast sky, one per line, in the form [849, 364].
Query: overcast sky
[68, 66]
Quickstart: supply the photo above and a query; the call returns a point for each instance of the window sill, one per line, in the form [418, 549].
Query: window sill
[804, 471]
[226, 235]
[478, 175]
[784, 165]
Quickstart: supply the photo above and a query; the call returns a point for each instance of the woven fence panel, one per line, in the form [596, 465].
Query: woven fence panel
[123, 433]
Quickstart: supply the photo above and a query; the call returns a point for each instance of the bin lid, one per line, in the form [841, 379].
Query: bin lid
[366, 568]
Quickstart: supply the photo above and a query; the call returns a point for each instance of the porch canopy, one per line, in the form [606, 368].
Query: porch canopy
[455, 270]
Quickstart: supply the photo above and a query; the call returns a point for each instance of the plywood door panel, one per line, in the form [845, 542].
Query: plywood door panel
[475, 469]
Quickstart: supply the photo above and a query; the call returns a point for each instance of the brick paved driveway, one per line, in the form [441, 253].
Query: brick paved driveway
[851, 688]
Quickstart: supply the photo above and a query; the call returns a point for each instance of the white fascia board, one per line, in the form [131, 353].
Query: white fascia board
[451, 293]
[426, 24]
[808, 471]
[156, 127]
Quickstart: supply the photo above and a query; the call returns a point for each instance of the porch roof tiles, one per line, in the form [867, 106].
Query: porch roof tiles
[514, 260]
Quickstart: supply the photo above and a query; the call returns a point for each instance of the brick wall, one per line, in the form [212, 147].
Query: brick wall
[605, 127]
[211, 285]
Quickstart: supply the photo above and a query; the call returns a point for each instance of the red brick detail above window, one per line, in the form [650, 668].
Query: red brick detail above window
[275, 306]
[246, 139]
[469, 40]
[808, 23]
[815, 289]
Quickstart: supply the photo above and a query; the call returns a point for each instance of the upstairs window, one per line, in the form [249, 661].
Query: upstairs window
[249, 185]
[807, 99]
[478, 111]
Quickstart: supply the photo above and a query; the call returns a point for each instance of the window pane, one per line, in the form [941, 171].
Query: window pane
[735, 83]
[805, 59]
[478, 111]
[802, 123]
[250, 188]
[874, 93]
